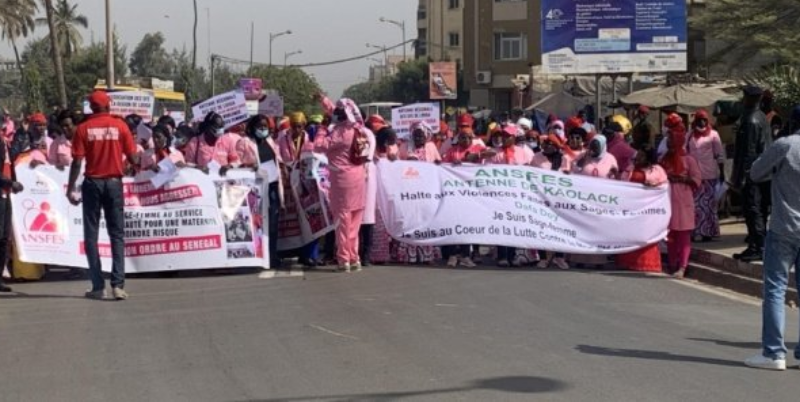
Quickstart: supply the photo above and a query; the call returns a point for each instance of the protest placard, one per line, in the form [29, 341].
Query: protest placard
[403, 117]
[271, 106]
[232, 106]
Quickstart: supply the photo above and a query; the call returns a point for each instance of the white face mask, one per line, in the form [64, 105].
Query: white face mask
[262, 134]
[219, 133]
[532, 144]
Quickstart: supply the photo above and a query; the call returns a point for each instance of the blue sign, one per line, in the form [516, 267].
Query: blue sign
[613, 36]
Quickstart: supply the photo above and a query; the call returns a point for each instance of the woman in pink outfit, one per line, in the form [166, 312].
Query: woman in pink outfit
[685, 178]
[706, 147]
[294, 141]
[347, 150]
[420, 147]
[596, 162]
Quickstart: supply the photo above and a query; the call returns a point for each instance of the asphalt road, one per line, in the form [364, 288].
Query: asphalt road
[396, 334]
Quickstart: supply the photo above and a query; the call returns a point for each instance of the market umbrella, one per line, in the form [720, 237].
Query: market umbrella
[560, 104]
[682, 98]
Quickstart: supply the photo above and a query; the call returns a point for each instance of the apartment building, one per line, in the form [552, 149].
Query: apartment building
[440, 30]
[502, 40]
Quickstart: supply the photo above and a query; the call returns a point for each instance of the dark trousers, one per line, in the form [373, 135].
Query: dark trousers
[104, 195]
[365, 242]
[274, 208]
[506, 253]
[460, 251]
[757, 200]
[5, 221]
[330, 246]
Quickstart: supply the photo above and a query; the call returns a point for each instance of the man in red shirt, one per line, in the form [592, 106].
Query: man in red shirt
[102, 140]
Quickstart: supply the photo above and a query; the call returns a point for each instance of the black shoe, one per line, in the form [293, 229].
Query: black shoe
[365, 262]
[5, 289]
[707, 239]
[309, 263]
[750, 255]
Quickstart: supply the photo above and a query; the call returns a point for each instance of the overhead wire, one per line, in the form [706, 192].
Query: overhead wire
[320, 64]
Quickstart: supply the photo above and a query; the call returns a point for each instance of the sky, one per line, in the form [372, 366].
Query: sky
[323, 30]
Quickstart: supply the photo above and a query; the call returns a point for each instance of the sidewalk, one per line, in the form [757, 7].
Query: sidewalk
[713, 263]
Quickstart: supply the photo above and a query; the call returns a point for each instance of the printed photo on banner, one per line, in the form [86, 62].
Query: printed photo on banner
[443, 81]
[242, 205]
[307, 216]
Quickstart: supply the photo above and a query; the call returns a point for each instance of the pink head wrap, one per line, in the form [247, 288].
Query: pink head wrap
[351, 110]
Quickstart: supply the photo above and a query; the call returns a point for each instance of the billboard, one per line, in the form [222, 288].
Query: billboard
[443, 81]
[611, 37]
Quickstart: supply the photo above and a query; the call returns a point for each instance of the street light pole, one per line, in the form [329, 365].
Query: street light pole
[252, 39]
[287, 55]
[272, 37]
[109, 48]
[385, 51]
[402, 26]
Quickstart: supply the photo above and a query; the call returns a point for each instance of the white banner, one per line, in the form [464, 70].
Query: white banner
[515, 206]
[232, 106]
[403, 117]
[197, 221]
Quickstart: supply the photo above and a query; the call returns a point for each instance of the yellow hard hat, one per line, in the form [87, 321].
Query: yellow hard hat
[624, 122]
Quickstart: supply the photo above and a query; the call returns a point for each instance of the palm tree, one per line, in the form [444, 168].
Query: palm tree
[66, 21]
[55, 50]
[16, 21]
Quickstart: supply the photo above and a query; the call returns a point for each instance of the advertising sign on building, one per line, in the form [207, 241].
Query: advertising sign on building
[443, 81]
[612, 37]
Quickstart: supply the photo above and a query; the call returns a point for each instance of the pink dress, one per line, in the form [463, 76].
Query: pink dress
[624, 155]
[428, 153]
[604, 167]
[348, 181]
[223, 151]
[681, 196]
[540, 161]
[60, 152]
[288, 146]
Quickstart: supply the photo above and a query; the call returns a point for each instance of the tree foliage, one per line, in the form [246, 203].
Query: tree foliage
[67, 20]
[150, 59]
[294, 84]
[766, 27]
[784, 83]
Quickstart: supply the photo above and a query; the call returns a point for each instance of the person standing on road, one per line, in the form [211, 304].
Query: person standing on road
[102, 140]
[781, 163]
[347, 152]
[706, 147]
[752, 137]
[684, 178]
[60, 152]
[213, 144]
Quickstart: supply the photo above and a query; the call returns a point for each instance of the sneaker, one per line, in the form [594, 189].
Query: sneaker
[680, 274]
[761, 362]
[355, 267]
[452, 262]
[518, 261]
[543, 264]
[344, 268]
[561, 263]
[467, 262]
[96, 294]
[120, 294]
[503, 264]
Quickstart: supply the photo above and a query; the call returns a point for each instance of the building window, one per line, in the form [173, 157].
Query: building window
[455, 39]
[510, 46]
[455, 4]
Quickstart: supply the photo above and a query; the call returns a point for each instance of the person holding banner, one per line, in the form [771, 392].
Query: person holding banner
[256, 149]
[618, 146]
[555, 156]
[386, 149]
[213, 144]
[102, 140]
[293, 142]
[60, 152]
[597, 162]
[35, 149]
[578, 138]
[347, 151]
[647, 172]
[420, 149]
[684, 178]
[162, 150]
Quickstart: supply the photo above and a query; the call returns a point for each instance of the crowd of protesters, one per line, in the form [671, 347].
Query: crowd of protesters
[686, 154]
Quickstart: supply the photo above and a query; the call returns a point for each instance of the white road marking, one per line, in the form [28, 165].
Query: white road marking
[334, 333]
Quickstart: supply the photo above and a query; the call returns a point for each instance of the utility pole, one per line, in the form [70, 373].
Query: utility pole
[252, 39]
[213, 81]
[194, 38]
[109, 48]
